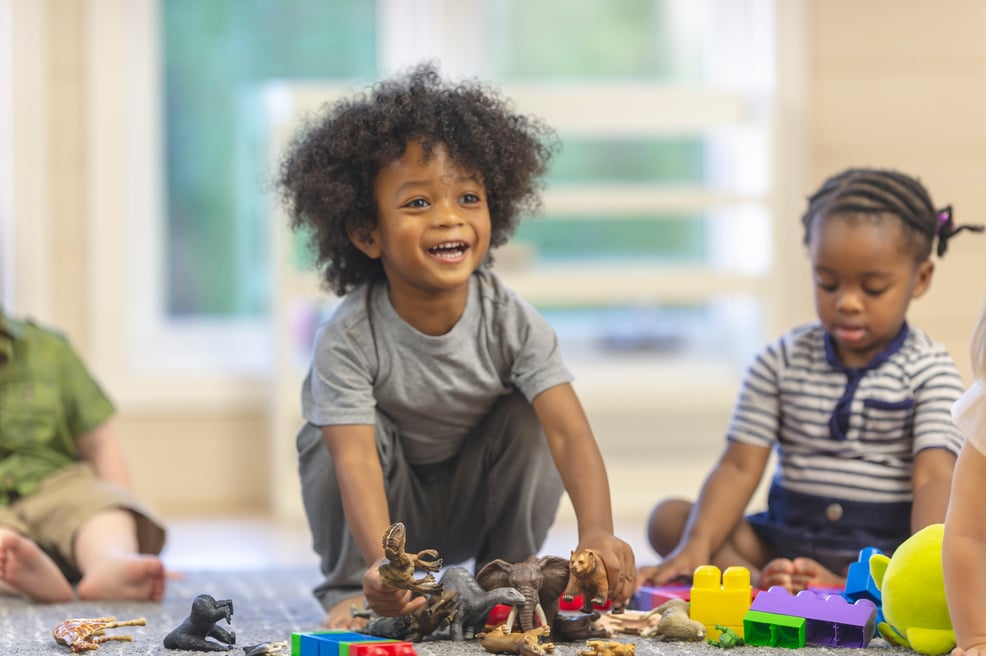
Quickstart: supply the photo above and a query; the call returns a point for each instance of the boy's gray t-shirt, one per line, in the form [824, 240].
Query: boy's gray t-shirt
[436, 389]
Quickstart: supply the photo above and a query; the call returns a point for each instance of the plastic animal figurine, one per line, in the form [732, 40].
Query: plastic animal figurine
[913, 591]
[540, 580]
[87, 634]
[588, 578]
[674, 623]
[474, 603]
[268, 649]
[727, 638]
[578, 628]
[501, 640]
[397, 570]
[608, 648]
[439, 610]
[200, 624]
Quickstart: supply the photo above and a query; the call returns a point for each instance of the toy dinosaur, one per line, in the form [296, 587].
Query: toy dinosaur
[193, 633]
[913, 591]
[439, 610]
[474, 603]
[397, 570]
[88, 634]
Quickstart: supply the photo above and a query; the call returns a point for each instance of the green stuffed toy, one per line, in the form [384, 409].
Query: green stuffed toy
[913, 592]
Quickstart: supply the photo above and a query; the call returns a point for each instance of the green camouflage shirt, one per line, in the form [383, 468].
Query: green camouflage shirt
[47, 398]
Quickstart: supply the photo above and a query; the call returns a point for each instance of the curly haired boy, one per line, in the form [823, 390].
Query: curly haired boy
[436, 396]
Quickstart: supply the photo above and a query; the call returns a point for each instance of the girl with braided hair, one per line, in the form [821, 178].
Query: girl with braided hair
[857, 406]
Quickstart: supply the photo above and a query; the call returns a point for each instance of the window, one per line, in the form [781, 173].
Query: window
[659, 224]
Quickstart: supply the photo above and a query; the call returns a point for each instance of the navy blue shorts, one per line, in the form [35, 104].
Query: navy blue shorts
[829, 530]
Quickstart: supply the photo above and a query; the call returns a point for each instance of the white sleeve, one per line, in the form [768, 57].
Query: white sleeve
[969, 414]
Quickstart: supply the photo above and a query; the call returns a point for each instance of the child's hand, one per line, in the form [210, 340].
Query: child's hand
[385, 600]
[680, 564]
[620, 564]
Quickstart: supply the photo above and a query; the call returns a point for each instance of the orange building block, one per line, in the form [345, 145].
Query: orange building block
[721, 600]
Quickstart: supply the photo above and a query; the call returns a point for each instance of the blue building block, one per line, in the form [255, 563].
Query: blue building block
[328, 643]
[859, 581]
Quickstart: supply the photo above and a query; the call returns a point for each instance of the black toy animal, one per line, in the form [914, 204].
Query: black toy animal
[200, 624]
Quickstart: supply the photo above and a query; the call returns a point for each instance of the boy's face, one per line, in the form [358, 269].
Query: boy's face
[865, 277]
[433, 227]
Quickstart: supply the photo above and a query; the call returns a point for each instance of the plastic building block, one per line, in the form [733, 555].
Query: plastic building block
[333, 643]
[859, 581]
[395, 648]
[649, 598]
[774, 630]
[720, 601]
[831, 620]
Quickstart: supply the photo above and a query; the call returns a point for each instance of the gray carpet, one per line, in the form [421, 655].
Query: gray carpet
[268, 606]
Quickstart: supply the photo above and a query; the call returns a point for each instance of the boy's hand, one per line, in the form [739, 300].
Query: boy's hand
[385, 600]
[620, 564]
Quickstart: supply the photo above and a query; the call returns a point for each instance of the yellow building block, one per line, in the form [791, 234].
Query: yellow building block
[720, 599]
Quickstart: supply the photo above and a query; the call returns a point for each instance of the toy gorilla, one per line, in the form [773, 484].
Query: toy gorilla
[201, 624]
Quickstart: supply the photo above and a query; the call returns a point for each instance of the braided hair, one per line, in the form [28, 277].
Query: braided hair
[875, 193]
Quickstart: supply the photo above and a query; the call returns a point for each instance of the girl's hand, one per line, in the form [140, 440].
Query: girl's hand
[680, 564]
[385, 600]
[617, 556]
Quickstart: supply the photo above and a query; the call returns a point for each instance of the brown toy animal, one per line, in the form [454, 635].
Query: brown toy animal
[608, 648]
[588, 578]
[675, 624]
[501, 641]
[88, 634]
[397, 570]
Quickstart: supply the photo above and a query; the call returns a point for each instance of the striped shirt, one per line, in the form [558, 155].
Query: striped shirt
[896, 407]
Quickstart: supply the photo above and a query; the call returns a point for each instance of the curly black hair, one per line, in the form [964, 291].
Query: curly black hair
[877, 193]
[326, 178]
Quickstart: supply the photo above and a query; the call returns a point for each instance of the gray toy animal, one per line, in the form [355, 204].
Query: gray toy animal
[475, 603]
[193, 633]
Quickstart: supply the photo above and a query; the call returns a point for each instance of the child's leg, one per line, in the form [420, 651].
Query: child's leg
[743, 547]
[26, 569]
[505, 489]
[107, 554]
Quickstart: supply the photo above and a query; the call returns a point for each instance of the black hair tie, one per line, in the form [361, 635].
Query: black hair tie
[945, 228]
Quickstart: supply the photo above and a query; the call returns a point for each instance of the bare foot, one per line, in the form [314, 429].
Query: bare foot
[341, 616]
[31, 572]
[137, 577]
[797, 575]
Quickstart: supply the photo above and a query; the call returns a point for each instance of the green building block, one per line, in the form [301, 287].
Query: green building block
[773, 630]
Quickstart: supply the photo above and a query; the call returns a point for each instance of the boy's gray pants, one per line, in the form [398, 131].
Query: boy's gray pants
[496, 499]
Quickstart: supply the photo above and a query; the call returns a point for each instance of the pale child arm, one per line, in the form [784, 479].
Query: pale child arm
[963, 551]
[577, 456]
[353, 450]
[723, 499]
[931, 481]
[101, 448]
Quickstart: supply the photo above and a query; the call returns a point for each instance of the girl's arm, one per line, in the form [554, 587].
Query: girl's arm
[101, 448]
[963, 549]
[723, 499]
[353, 450]
[931, 480]
[577, 457]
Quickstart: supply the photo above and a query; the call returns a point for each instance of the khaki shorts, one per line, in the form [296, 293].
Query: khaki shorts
[64, 502]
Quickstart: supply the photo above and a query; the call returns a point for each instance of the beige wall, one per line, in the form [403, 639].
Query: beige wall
[899, 83]
[902, 84]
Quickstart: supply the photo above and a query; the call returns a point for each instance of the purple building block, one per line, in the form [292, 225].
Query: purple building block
[829, 620]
